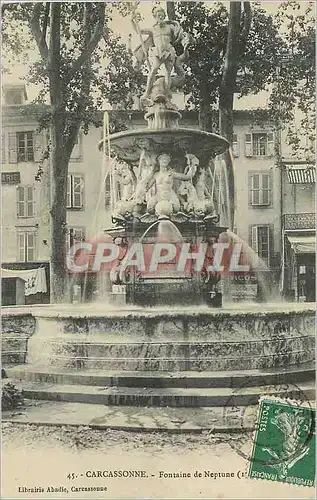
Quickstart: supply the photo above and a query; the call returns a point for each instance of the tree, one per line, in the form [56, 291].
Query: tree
[232, 53]
[292, 101]
[67, 36]
[170, 7]
[235, 48]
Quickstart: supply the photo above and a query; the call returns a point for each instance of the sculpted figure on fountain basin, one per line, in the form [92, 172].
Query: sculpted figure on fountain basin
[127, 181]
[159, 189]
[166, 202]
[195, 195]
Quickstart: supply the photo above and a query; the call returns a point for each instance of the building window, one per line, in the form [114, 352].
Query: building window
[15, 96]
[235, 145]
[260, 190]
[112, 190]
[25, 201]
[261, 242]
[75, 191]
[75, 234]
[77, 153]
[107, 191]
[26, 246]
[25, 146]
[259, 144]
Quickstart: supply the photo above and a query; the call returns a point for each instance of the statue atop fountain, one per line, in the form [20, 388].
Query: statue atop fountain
[159, 50]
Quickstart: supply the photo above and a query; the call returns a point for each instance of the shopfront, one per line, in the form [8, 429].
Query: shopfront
[300, 267]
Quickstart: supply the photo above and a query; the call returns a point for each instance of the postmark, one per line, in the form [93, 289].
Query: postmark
[284, 442]
[245, 418]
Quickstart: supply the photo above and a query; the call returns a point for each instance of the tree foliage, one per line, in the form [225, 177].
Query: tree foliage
[111, 72]
[256, 62]
[276, 54]
[292, 100]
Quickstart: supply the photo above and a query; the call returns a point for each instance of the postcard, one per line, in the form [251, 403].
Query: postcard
[158, 250]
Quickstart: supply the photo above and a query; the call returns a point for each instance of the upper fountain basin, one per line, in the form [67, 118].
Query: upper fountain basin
[128, 145]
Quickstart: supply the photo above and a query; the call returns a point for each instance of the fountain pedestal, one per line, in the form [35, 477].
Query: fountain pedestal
[167, 284]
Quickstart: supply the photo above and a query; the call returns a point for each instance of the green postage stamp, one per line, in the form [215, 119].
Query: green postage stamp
[284, 442]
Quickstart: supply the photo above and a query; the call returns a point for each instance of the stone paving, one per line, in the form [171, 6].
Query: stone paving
[175, 420]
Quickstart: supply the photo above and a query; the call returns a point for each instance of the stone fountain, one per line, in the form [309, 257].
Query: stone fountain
[163, 179]
[178, 353]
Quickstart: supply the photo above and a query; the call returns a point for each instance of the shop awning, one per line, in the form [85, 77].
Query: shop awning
[303, 174]
[303, 244]
[35, 279]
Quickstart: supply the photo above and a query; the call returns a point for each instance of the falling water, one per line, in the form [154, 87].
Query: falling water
[257, 266]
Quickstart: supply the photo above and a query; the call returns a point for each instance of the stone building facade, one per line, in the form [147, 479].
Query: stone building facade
[266, 199]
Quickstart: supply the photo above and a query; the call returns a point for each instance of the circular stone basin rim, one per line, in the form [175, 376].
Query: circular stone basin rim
[78, 312]
[192, 140]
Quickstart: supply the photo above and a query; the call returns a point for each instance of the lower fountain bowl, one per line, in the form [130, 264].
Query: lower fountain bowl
[175, 357]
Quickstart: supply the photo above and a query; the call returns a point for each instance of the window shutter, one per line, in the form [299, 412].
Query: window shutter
[268, 245]
[30, 201]
[13, 155]
[250, 185]
[21, 201]
[235, 145]
[270, 144]
[69, 190]
[270, 184]
[21, 245]
[254, 238]
[38, 146]
[265, 189]
[248, 145]
[107, 191]
[78, 234]
[30, 246]
[69, 237]
[29, 146]
[255, 189]
[78, 188]
[3, 159]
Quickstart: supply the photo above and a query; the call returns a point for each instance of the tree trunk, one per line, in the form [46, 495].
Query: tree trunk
[237, 38]
[236, 42]
[63, 133]
[229, 75]
[58, 225]
[205, 115]
[59, 165]
[170, 7]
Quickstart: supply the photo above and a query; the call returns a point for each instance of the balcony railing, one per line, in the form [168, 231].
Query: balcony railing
[299, 221]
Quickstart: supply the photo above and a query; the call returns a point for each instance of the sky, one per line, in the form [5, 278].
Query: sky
[124, 28]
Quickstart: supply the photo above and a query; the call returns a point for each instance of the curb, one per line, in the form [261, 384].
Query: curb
[125, 428]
